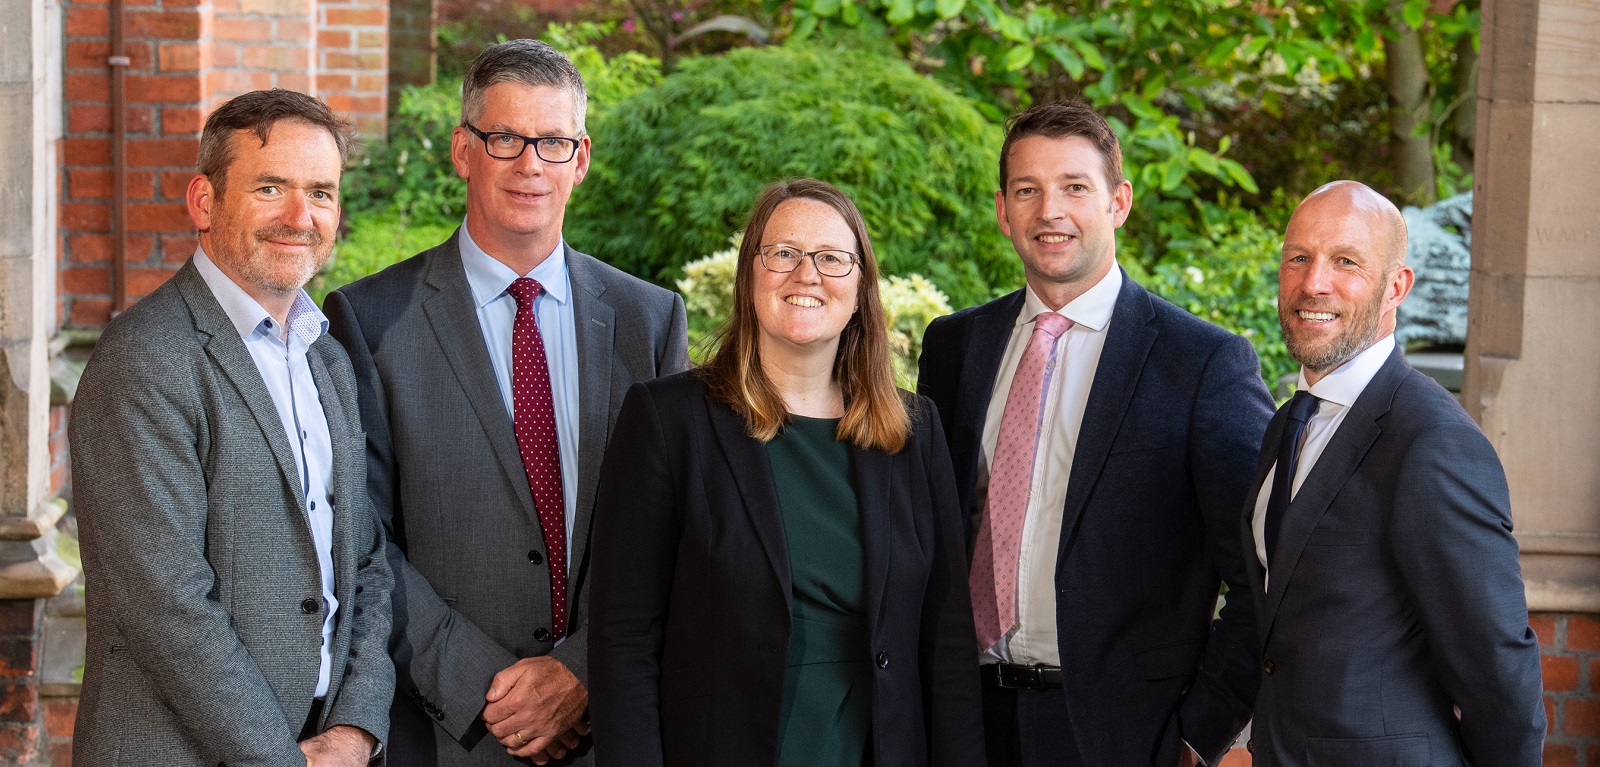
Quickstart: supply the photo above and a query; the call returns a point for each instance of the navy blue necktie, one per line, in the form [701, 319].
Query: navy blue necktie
[1300, 408]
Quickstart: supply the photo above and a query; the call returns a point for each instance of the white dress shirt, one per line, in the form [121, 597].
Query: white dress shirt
[497, 312]
[1077, 357]
[1337, 391]
[280, 356]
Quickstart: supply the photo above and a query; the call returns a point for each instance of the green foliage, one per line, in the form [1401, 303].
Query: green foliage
[373, 242]
[910, 302]
[1228, 275]
[678, 166]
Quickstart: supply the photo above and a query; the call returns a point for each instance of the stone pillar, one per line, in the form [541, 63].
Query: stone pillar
[1533, 346]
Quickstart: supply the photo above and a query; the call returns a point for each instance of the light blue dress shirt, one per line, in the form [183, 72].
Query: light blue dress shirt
[497, 312]
[280, 356]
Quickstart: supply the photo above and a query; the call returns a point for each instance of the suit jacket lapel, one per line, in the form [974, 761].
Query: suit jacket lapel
[233, 357]
[985, 348]
[747, 462]
[873, 473]
[1338, 462]
[348, 446]
[454, 318]
[595, 329]
[1121, 360]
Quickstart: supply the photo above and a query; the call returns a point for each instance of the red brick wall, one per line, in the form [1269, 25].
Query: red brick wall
[21, 719]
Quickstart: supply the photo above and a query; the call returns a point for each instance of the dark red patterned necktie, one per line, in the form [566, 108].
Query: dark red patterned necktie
[534, 418]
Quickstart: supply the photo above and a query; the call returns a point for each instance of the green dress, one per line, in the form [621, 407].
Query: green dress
[827, 690]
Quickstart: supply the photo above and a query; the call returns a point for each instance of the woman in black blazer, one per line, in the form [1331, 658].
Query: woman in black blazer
[779, 564]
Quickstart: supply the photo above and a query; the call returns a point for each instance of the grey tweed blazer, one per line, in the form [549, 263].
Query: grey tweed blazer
[472, 592]
[197, 552]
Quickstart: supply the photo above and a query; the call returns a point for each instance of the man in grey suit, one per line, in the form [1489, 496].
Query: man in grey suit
[491, 368]
[238, 598]
[1390, 604]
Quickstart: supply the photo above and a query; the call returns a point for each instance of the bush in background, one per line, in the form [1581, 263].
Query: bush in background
[678, 166]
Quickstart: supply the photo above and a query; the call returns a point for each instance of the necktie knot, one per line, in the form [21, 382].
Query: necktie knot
[524, 290]
[1303, 406]
[1051, 324]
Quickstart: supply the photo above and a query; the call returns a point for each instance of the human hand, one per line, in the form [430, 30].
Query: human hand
[342, 745]
[558, 748]
[533, 704]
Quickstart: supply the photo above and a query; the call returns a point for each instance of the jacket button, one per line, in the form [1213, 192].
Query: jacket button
[535, 557]
[883, 660]
[309, 605]
[1269, 667]
[541, 635]
[439, 715]
[1250, 745]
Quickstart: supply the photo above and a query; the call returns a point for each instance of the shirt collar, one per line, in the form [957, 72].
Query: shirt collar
[248, 316]
[489, 278]
[1346, 382]
[1091, 310]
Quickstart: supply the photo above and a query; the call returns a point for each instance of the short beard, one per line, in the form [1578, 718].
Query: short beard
[1362, 334]
[258, 270]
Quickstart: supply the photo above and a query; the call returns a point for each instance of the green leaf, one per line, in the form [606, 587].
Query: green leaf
[1012, 28]
[1018, 57]
[900, 11]
[1366, 41]
[1141, 107]
[825, 7]
[804, 27]
[1090, 55]
[1161, 15]
[1223, 50]
[851, 14]
[947, 9]
[1327, 24]
[1069, 59]
[1415, 13]
[1239, 175]
[1205, 161]
[1175, 173]
[1223, 144]
[1254, 48]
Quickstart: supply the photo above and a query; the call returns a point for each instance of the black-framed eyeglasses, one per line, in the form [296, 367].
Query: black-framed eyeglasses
[509, 146]
[786, 258]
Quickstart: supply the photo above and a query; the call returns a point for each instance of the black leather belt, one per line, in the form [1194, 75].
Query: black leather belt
[1012, 676]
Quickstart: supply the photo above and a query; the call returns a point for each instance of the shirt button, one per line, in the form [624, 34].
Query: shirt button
[313, 505]
[541, 635]
[308, 605]
[535, 557]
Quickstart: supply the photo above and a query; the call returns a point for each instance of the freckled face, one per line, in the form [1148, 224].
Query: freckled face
[804, 309]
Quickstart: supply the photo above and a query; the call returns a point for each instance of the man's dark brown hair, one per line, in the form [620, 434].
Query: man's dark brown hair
[258, 111]
[1062, 119]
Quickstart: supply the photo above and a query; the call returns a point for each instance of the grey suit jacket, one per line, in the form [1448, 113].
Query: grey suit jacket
[197, 553]
[1395, 596]
[472, 592]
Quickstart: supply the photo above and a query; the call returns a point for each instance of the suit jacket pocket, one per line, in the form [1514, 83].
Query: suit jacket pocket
[1173, 660]
[1328, 536]
[1389, 751]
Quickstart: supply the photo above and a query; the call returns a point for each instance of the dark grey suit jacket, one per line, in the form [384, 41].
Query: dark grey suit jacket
[472, 591]
[1149, 527]
[197, 553]
[692, 593]
[1396, 596]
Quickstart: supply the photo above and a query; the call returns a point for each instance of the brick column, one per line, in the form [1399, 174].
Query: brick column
[352, 73]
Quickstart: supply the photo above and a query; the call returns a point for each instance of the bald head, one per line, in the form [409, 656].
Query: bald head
[1353, 198]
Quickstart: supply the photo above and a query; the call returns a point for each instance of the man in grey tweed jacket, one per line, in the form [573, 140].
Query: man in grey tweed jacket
[238, 597]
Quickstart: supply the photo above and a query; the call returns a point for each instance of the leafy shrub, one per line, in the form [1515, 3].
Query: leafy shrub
[1228, 276]
[678, 166]
[910, 302]
[374, 242]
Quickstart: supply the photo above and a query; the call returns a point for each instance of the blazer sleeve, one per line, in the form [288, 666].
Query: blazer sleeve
[1451, 539]
[1231, 412]
[440, 657]
[139, 487]
[951, 698]
[635, 545]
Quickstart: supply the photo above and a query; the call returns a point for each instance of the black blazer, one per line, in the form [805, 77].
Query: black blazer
[1150, 526]
[1396, 596]
[690, 629]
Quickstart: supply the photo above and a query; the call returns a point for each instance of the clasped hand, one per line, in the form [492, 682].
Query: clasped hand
[535, 709]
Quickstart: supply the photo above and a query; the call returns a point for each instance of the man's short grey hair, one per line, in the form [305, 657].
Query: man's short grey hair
[528, 62]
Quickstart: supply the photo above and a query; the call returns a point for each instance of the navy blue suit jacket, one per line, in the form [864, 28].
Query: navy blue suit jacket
[1150, 526]
[1396, 597]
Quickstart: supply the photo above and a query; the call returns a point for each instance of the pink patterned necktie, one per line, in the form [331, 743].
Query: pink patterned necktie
[534, 420]
[994, 558]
